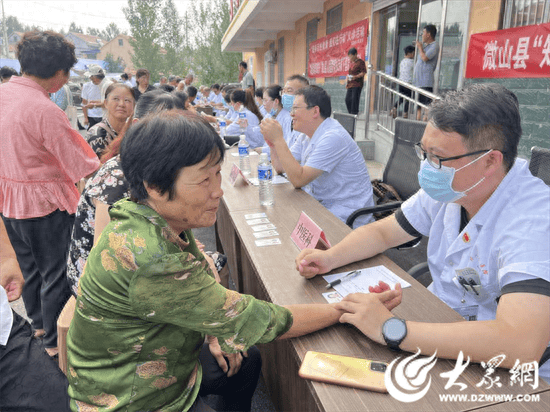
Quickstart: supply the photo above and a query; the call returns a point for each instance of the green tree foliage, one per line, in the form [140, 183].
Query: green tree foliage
[110, 32]
[112, 65]
[74, 28]
[171, 38]
[93, 31]
[13, 24]
[142, 15]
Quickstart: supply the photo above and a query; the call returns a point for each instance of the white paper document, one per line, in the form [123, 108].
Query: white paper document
[367, 277]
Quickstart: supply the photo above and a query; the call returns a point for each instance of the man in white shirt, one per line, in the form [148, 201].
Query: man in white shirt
[96, 73]
[247, 81]
[488, 222]
[91, 92]
[325, 161]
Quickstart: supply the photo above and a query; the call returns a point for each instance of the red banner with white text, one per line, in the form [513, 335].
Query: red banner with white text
[328, 56]
[518, 52]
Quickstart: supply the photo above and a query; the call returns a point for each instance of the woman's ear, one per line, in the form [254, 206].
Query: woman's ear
[153, 192]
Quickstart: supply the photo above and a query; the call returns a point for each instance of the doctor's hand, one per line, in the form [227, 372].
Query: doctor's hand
[272, 131]
[368, 312]
[312, 262]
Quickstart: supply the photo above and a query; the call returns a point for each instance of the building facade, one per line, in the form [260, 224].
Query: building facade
[275, 38]
[119, 47]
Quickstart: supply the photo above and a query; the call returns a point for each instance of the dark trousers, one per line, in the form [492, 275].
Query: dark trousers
[353, 95]
[30, 381]
[235, 393]
[42, 245]
[407, 92]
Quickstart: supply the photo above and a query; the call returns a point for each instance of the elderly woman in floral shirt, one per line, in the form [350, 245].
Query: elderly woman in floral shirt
[148, 298]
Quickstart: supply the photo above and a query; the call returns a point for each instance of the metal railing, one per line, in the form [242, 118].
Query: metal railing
[387, 94]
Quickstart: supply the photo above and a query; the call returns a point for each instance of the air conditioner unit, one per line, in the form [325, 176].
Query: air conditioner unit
[271, 56]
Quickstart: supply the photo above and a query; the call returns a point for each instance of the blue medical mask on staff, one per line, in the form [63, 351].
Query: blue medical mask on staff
[287, 101]
[438, 183]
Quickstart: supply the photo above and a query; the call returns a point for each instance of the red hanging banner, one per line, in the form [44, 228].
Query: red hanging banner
[518, 52]
[328, 56]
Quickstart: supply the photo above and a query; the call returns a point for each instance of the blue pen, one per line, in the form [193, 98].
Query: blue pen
[338, 281]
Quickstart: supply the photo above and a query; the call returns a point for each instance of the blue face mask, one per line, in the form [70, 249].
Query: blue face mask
[438, 183]
[287, 101]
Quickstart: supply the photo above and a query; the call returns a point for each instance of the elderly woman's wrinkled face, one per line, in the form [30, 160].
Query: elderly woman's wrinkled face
[196, 198]
[120, 103]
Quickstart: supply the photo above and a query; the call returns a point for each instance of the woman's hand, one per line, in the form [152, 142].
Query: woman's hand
[312, 262]
[235, 359]
[368, 312]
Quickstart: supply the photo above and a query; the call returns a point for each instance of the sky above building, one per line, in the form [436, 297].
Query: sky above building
[58, 14]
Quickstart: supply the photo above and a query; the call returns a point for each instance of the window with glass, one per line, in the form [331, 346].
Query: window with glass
[120, 42]
[334, 19]
[311, 36]
[519, 13]
[281, 60]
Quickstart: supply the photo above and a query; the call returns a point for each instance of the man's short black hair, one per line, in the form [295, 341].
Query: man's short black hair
[155, 149]
[167, 88]
[430, 28]
[317, 96]
[486, 115]
[259, 92]
[409, 49]
[191, 91]
[6, 72]
[215, 86]
[243, 64]
[298, 77]
[43, 53]
[352, 51]
[124, 76]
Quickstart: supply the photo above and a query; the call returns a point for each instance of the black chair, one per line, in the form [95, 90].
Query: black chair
[347, 121]
[402, 168]
[539, 165]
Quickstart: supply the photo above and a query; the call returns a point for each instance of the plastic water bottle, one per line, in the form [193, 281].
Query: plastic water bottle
[242, 120]
[222, 128]
[244, 156]
[265, 176]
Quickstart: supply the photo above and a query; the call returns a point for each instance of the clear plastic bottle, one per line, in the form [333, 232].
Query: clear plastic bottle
[222, 128]
[242, 120]
[265, 176]
[244, 156]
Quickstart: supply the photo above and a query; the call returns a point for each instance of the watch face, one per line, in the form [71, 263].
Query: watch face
[394, 329]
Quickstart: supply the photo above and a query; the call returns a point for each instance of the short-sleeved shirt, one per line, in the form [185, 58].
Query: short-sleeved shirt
[147, 299]
[91, 92]
[406, 70]
[345, 184]
[358, 66]
[284, 119]
[506, 241]
[108, 186]
[424, 71]
[41, 155]
[247, 81]
[253, 134]
[137, 93]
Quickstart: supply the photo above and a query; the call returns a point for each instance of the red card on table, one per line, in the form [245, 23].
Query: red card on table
[307, 234]
[234, 175]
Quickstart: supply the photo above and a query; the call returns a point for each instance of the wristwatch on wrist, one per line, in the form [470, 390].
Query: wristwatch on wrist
[394, 331]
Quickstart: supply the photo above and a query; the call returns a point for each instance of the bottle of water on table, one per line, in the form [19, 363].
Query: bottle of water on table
[244, 156]
[222, 128]
[265, 176]
[242, 120]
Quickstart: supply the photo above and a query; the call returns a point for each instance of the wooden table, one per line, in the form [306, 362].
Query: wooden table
[269, 273]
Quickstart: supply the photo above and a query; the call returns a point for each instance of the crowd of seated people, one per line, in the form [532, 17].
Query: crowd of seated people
[156, 326]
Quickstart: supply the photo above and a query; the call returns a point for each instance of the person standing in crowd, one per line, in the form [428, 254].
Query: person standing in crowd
[143, 86]
[63, 97]
[120, 107]
[325, 161]
[428, 53]
[91, 98]
[355, 80]
[487, 219]
[41, 159]
[126, 79]
[405, 74]
[247, 81]
[188, 81]
[6, 73]
[173, 80]
[192, 94]
[97, 76]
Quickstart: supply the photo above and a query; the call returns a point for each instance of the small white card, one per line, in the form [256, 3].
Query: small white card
[267, 233]
[255, 216]
[261, 228]
[332, 297]
[268, 242]
[258, 221]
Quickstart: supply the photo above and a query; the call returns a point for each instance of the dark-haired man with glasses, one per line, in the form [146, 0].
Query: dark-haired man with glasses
[323, 160]
[488, 223]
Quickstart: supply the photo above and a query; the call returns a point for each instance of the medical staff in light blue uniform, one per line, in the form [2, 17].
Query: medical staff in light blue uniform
[253, 135]
[272, 103]
[329, 164]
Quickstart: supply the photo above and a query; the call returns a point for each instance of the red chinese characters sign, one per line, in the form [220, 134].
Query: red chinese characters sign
[518, 52]
[328, 56]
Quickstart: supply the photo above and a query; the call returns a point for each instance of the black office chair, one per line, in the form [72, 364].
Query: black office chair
[539, 165]
[402, 168]
[347, 121]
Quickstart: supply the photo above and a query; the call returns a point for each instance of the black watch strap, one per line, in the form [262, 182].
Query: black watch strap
[394, 331]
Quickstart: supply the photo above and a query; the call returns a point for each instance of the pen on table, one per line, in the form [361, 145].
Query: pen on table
[338, 281]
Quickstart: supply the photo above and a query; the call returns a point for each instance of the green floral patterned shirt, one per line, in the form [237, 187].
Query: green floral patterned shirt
[146, 300]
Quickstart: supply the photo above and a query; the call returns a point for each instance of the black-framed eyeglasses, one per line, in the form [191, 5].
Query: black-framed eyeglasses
[435, 161]
[294, 108]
